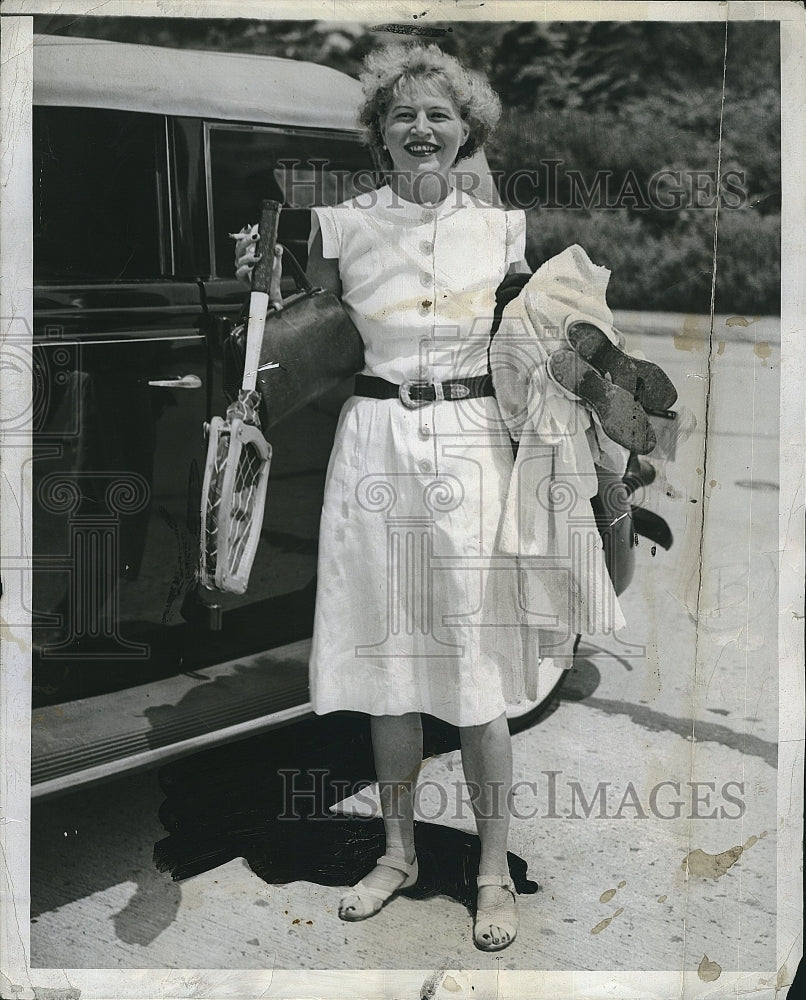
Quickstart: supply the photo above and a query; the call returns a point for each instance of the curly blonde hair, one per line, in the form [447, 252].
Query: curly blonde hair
[388, 70]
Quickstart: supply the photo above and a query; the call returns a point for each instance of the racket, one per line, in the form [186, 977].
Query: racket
[238, 456]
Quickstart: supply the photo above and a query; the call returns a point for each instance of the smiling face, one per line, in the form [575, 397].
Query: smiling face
[422, 129]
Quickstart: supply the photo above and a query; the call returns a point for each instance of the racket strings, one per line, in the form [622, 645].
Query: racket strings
[211, 519]
[234, 493]
[244, 493]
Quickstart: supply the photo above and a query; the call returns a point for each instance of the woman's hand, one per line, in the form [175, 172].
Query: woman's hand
[246, 256]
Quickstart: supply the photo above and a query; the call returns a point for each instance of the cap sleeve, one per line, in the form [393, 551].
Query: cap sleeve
[325, 219]
[516, 235]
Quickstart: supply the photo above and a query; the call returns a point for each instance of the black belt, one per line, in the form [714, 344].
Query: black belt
[413, 393]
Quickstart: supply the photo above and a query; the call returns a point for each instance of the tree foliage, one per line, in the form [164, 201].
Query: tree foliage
[602, 96]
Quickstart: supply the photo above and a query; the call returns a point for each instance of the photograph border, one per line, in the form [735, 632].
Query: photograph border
[17, 979]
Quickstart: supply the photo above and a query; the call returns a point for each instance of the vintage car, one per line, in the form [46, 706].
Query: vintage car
[144, 160]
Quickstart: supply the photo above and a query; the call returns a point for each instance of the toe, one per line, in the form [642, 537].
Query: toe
[494, 936]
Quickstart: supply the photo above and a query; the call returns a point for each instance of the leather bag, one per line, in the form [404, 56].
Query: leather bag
[312, 339]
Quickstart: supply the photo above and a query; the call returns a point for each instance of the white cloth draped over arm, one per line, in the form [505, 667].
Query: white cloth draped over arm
[560, 444]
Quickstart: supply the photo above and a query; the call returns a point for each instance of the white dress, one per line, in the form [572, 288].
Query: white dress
[406, 617]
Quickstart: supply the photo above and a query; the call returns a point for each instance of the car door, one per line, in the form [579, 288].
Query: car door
[298, 168]
[122, 391]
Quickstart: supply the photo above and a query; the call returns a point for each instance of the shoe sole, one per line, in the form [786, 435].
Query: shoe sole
[622, 418]
[646, 382]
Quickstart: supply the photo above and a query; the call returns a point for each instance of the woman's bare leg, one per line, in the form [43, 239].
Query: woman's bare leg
[397, 746]
[487, 763]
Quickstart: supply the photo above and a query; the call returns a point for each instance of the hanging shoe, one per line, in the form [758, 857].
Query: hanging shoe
[622, 418]
[646, 382]
[364, 901]
[495, 927]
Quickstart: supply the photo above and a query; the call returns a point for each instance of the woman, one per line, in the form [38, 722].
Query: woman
[409, 615]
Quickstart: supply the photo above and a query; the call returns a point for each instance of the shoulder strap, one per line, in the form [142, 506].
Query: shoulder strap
[509, 289]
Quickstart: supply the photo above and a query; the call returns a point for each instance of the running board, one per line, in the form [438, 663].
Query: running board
[80, 743]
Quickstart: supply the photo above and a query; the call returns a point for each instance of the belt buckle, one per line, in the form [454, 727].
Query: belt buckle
[404, 393]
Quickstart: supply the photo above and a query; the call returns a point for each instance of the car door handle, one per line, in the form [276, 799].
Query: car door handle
[183, 382]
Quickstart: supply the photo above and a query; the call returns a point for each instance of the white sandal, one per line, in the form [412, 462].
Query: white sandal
[503, 916]
[370, 898]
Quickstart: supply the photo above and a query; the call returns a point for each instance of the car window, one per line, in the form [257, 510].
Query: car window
[297, 168]
[98, 190]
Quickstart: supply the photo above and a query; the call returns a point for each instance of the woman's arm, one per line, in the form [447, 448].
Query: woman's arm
[323, 272]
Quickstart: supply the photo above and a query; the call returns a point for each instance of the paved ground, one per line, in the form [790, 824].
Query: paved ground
[665, 702]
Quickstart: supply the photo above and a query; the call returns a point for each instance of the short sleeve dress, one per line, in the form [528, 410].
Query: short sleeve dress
[414, 610]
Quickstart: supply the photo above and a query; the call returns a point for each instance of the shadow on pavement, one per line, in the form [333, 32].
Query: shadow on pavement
[266, 799]
[582, 680]
[86, 843]
[228, 802]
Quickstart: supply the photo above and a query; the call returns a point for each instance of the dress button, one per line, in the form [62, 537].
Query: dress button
[428, 215]
[424, 432]
[426, 248]
[424, 466]
[425, 279]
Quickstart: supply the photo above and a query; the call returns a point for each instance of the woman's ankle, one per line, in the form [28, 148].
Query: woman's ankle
[403, 850]
[494, 866]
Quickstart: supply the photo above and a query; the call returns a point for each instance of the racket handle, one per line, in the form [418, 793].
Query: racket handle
[259, 296]
[267, 231]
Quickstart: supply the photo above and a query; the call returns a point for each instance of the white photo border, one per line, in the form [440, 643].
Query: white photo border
[17, 979]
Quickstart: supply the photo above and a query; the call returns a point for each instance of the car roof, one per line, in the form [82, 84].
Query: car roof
[90, 72]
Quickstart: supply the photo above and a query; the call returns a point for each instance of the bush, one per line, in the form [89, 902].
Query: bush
[749, 263]
[672, 272]
[660, 258]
